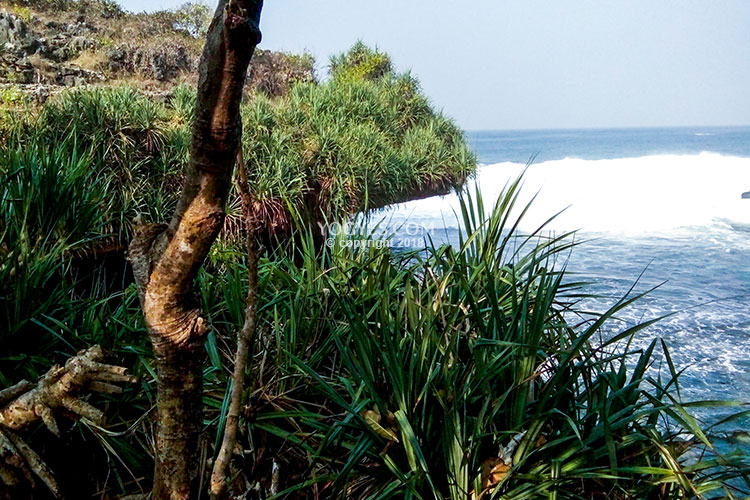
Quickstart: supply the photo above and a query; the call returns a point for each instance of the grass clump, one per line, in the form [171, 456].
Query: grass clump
[90, 60]
[50, 209]
[12, 97]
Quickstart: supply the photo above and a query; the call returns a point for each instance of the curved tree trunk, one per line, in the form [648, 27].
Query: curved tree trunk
[166, 259]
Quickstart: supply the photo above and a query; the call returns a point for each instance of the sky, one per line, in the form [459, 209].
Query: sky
[530, 64]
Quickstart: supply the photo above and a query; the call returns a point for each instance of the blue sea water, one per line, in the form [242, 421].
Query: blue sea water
[664, 204]
[599, 144]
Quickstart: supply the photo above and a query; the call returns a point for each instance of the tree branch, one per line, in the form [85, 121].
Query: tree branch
[244, 336]
[175, 255]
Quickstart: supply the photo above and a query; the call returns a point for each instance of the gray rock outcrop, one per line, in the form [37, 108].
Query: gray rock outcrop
[30, 56]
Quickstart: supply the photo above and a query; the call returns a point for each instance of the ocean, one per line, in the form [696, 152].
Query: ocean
[664, 204]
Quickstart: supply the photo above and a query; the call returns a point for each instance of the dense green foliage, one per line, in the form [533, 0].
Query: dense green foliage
[364, 139]
[427, 367]
[326, 149]
[375, 374]
[347, 146]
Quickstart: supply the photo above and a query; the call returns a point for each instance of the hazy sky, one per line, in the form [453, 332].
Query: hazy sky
[507, 64]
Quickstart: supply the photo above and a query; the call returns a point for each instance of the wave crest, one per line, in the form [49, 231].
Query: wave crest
[630, 196]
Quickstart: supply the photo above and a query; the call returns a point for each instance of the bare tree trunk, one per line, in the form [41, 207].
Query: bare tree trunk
[166, 259]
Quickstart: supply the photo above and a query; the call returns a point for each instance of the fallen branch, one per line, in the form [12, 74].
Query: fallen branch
[62, 387]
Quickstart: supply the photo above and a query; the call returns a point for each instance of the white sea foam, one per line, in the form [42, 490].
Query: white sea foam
[627, 196]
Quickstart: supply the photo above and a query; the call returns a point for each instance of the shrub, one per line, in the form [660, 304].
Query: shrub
[361, 62]
[348, 145]
[193, 17]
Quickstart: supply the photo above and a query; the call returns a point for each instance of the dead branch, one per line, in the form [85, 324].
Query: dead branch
[244, 336]
[61, 388]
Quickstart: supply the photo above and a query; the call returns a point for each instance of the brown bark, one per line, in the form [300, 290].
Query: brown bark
[166, 259]
[244, 336]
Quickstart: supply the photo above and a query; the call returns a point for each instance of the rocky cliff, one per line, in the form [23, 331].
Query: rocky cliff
[50, 44]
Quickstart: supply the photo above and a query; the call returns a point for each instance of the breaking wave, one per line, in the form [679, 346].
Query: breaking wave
[650, 195]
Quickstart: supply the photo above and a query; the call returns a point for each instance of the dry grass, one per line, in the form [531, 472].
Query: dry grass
[90, 60]
[45, 72]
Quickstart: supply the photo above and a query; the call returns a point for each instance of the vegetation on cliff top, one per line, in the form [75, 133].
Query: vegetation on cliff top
[72, 42]
[329, 149]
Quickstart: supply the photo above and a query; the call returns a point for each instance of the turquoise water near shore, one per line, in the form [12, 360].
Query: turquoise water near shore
[663, 202]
